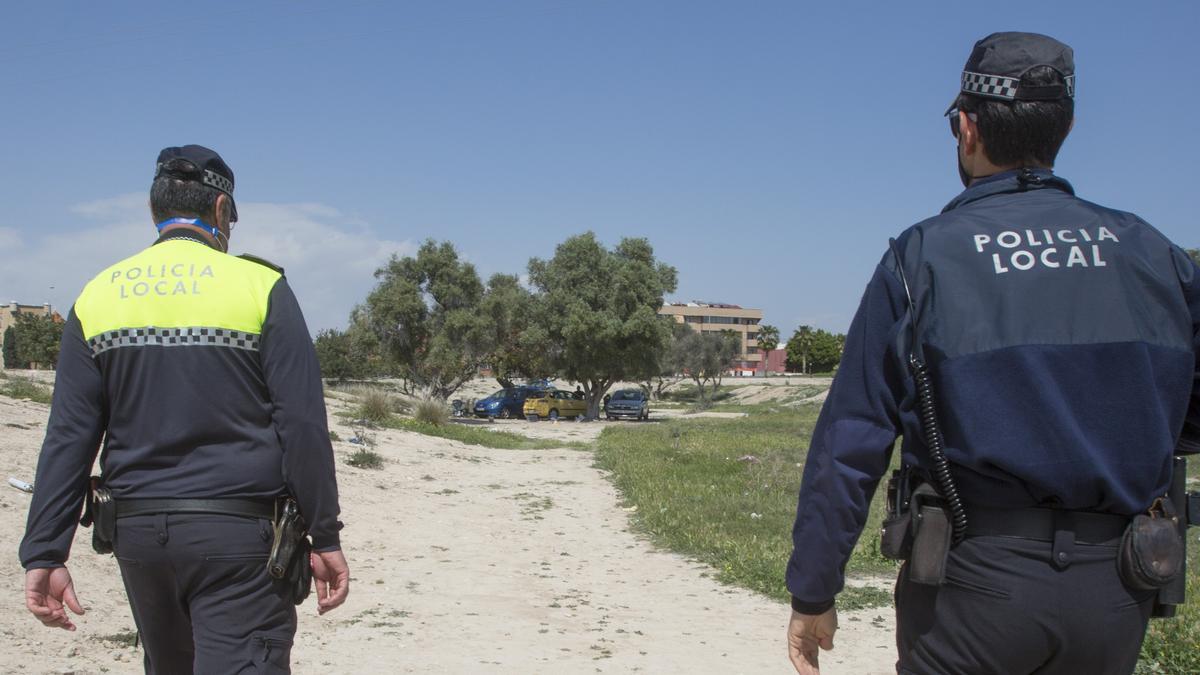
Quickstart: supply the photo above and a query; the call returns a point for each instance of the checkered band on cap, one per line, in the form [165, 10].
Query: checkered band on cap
[218, 181]
[151, 336]
[994, 86]
[998, 86]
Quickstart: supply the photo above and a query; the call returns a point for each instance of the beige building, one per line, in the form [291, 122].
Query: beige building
[712, 316]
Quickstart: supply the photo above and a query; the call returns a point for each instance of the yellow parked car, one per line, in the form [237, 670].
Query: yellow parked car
[553, 404]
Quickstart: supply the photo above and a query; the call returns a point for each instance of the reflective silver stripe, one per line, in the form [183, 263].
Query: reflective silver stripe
[218, 181]
[998, 86]
[989, 85]
[149, 336]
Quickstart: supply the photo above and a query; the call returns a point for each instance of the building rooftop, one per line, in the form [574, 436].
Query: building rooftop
[700, 303]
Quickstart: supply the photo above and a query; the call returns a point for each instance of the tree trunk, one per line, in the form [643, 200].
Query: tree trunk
[593, 391]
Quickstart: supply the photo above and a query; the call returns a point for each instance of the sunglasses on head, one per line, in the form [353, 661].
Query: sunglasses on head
[953, 115]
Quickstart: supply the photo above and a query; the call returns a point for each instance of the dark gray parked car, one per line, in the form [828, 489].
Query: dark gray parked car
[630, 403]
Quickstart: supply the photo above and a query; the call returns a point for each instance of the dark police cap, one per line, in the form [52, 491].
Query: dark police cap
[200, 164]
[999, 62]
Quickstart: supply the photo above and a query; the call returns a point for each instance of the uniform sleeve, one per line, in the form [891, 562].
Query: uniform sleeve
[850, 449]
[78, 418]
[298, 412]
[1189, 440]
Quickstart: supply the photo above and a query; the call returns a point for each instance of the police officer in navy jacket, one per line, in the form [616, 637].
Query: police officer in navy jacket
[196, 374]
[1062, 338]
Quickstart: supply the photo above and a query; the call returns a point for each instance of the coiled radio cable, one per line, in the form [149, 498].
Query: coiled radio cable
[930, 427]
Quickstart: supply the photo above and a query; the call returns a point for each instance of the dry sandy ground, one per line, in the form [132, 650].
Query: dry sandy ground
[464, 560]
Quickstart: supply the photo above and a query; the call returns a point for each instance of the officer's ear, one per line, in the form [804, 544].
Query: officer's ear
[968, 133]
[222, 212]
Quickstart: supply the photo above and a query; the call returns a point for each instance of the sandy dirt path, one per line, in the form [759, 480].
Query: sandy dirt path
[464, 560]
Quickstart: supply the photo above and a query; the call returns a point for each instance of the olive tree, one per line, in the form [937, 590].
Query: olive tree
[426, 313]
[599, 310]
[708, 355]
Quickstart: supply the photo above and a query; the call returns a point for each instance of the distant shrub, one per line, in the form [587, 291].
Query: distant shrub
[376, 406]
[433, 412]
[333, 435]
[365, 459]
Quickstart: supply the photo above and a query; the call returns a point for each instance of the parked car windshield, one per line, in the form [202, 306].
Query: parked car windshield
[627, 395]
[501, 394]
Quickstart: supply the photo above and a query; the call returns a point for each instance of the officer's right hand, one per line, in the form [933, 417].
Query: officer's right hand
[46, 593]
[806, 632]
[332, 575]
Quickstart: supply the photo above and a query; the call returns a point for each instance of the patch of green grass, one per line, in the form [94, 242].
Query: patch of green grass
[863, 597]
[19, 387]
[365, 459]
[532, 505]
[333, 435]
[694, 496]
[476, 435]
[125, 638]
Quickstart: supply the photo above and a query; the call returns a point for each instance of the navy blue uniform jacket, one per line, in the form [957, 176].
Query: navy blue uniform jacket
[1063, 340]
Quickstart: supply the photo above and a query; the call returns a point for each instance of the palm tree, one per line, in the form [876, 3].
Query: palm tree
[802, 340]
[768, 339]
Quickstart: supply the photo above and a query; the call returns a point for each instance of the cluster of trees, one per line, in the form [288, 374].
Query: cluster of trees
[814, 350]
[589, 314]
[702, 356]
[32, 340]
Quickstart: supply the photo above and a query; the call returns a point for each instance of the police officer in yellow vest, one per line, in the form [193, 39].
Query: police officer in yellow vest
[196, 370]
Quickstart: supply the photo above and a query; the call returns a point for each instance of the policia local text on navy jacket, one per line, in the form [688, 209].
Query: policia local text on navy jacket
[197, 370]
[1063, 340]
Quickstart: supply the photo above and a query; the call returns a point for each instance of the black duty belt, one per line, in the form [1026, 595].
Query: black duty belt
[1042, 524]
[247, 508]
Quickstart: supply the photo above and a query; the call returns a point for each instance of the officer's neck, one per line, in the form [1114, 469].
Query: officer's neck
[192, 232]
[979, 167]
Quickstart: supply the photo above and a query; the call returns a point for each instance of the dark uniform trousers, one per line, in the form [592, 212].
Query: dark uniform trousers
[1005, 607]
[201, 596]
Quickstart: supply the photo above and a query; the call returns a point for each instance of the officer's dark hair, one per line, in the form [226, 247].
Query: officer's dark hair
[1022, 133]
[172, 197]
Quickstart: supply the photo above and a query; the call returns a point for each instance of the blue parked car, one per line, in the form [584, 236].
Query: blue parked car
[504, 404]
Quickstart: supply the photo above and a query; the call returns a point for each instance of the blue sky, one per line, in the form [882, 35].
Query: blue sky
[766, 149]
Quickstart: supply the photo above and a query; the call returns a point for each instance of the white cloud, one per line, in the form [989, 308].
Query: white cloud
[329, 259]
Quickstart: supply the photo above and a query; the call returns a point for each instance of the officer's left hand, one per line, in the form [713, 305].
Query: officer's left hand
[332, 576]
[805, 633]
[47, 594]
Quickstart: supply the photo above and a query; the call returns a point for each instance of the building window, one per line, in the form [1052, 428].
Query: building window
[693, 319]
[751, 350]
[751, 336]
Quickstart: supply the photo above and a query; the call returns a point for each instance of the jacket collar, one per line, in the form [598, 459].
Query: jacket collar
[184, 234]
[1017, 180]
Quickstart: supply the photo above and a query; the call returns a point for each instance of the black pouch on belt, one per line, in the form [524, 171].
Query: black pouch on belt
[930, 539]
[289, 562]
[1152, 552]
[895, 536]
[100, 513]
